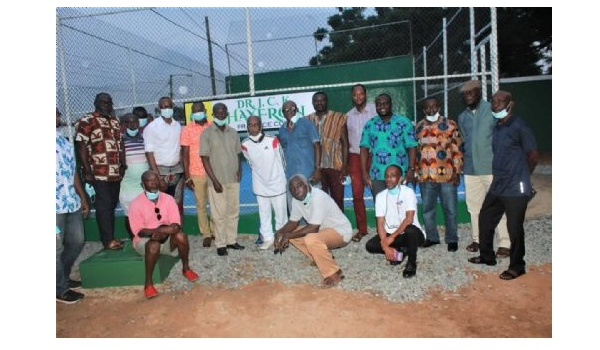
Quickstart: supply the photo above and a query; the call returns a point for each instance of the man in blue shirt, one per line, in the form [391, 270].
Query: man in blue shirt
[515, 158]
[301, 146]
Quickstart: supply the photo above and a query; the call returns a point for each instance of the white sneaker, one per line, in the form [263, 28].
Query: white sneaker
[265, 245]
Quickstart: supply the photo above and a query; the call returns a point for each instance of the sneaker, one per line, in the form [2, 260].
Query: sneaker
[74, 284]
[70, 297]
[265, 245]
[259, 240]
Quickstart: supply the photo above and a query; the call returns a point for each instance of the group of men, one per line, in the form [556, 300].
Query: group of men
[299, 175]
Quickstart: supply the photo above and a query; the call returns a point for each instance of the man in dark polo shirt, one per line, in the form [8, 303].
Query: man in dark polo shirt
[515, 158]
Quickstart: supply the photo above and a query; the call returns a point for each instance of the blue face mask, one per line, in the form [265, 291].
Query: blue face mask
[394, 191]
[132, 133]
[143, 122]
[198, 116]
[220, 122]
[167, 112]
[306, 199]
[151, 195]
[503, 113]
[295, 118]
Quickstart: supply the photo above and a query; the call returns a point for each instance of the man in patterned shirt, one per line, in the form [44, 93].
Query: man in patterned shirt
[71, 207]
[101, 152]
[390, 139]
[439, 164]
[333, 134]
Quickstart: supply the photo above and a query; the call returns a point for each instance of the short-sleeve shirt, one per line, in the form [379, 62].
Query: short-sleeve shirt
[223, 149]
[67, 199]
[330, 131]
[356, 122]
[388, 142]
[438, 154]
[102, 139]
[393, 208]
[298, 147]
[190, 137]
[142, 213]
[322, 210]
[476, 128]
[162, 139]
[511, 143]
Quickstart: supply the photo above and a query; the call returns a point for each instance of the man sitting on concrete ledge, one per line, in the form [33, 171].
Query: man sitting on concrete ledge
[156, 225]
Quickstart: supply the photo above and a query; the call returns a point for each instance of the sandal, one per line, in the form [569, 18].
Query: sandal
[333, 280]
[510, 274]
[114, 245]
[358, 236]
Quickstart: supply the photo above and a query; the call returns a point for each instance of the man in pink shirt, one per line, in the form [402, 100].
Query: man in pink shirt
[195, 175]
[156, 225]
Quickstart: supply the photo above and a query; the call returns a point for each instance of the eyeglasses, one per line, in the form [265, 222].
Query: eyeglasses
[293, 109]
[157, 211]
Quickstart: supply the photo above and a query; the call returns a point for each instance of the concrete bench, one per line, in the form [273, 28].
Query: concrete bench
[115, 268]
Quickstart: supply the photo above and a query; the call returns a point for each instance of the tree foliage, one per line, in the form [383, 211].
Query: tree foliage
[524, 36]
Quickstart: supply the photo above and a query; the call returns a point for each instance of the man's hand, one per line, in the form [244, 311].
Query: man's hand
[218, 187]
[162, 183]
[190, 183]
[389, 253]
[281, 242]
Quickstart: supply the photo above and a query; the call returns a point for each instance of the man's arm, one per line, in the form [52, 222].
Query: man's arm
[88, 175]
[533, 158]
[364, 158]
[412, 158]
[316, 175]
[209, 171]
[85, 206]
[345, 149]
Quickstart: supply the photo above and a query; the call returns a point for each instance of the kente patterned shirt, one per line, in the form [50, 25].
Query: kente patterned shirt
[330, 132]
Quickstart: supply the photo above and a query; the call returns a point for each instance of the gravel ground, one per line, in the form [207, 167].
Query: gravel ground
[437, 269]
[370, 273]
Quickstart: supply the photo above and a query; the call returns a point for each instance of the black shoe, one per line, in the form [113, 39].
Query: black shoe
[222, 251]
[235, 246]
[452, 247]
[206, 242]
[473, 247]
[394, 263]
[410, 270]
[429, 243]
[479, 260]
[74, 284]
[70, 297]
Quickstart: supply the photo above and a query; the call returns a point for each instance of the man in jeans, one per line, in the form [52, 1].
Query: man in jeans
[439, 163]
[71, 207]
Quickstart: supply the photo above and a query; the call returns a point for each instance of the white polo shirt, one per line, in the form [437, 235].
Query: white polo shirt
[394, 207]
[162, 139]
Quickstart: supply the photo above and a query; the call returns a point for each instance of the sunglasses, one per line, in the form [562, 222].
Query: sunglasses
[157, 211]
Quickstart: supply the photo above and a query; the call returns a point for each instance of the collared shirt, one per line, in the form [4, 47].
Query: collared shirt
[511, 143]
[67, 199]
[102, 138]
[438, 154]
[388, 142]
[476, 128]
[330, 129]
[142, 213]
[190, 137]
[323, 211]
[223, 149]
[268, 166]
[356, 122]
[162, 139]
[298, 147]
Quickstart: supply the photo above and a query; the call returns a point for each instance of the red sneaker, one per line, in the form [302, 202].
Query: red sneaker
[150, 292]
[191, 275]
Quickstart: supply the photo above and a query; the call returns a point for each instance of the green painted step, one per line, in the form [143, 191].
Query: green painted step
[116, 268]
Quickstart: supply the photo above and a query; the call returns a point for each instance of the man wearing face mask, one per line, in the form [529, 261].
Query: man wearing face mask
[220, 150]
[515, 158]
[163, 151]
[102, 156]
[136, 161]
[143, 117]
[301, 145]
[156, 226]
[327, 229]
[476, 127]
[265, 157]
[438, 168]
[194, 173]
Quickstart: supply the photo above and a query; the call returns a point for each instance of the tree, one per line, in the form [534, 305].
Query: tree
[524, 36]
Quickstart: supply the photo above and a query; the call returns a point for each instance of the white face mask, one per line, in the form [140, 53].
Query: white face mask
[167, 112]
[503, 113]
[220, 122]
[433, 118]
[255, 138]
[295, 118]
